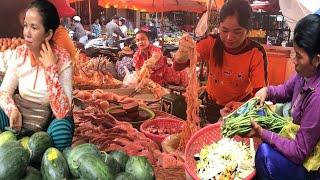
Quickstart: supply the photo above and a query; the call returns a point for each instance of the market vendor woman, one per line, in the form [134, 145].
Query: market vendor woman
[162, 73]
[279, 157]
[237, 65]
[43, 73]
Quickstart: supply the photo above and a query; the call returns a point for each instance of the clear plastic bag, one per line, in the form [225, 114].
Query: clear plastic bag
[131, 79]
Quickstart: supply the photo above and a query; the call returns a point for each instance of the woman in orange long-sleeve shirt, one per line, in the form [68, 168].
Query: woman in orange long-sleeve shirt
[61, 36]
[237, 65]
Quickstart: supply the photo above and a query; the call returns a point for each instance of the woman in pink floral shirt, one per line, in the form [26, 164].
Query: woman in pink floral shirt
[162, 73]
[43, 74]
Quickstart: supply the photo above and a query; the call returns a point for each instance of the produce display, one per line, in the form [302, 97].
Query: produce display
[7, 136]
[154, 129]
[96, 126]
[32, 174]
[7, 43]
[239, 122]
[130, 112]
[102, 99]
[225, 159]
[38, 143]
[54, 165]
[14, 160]
[101, 64]
[192, 93]
[144, 80]
[172, 39]
[84, 161]
[93, 73]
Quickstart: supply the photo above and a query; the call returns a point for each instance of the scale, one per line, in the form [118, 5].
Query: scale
[174, 103]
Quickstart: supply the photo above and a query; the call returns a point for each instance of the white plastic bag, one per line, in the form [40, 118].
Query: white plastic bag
[202, 25]
[294, 10]
[130, 79]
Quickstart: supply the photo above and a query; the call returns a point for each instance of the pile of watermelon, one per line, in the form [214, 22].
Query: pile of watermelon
[35, 158]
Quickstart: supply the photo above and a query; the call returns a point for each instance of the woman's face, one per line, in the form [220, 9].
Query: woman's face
[232, 34]
[302, 63]
[142, 41]
[33, 30]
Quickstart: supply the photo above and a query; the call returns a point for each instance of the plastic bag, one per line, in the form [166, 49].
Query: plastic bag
[202, 25]
[311, 163]
[131, 79]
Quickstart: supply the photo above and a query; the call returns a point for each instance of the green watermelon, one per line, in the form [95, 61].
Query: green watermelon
[24, 142]
[140, 167]
[32, 174]
[14, 160]
[6, 137]
[121, 157]
[92, 167]
[113, 165]
[38, 143]
[77, 153]
[54, 165]
[66, 152]
[125, 176]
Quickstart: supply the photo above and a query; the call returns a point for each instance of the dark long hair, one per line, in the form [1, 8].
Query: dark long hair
[243, 11]
[144, 32]
[49, 14]
[307, 35]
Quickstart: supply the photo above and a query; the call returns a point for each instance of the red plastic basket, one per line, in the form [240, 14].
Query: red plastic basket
[206, 136]
[160, 122]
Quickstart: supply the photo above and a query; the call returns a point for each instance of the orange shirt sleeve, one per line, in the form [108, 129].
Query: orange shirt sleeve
[204, 48]
[62, 39]
[257, 70]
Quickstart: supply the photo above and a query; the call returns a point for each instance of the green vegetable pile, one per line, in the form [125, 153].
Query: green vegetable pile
[239, 122]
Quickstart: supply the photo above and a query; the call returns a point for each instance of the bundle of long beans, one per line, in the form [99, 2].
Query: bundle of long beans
[239, 122]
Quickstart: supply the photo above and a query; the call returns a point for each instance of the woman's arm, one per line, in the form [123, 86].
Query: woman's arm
[8, 87]
[257, 69]
[58, 74]
[298, 149]
[204, 49]
[60, 90]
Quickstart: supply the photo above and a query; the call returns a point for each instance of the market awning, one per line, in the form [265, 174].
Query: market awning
[63, 8]
[216, 4]
[73, 1]
[156, 5]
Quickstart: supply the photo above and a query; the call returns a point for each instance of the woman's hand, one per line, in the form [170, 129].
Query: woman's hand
[156, 55]
[154, 59]
[262, 95]
[15, 119]
[186, 43]
[47, 58]
[256, 130]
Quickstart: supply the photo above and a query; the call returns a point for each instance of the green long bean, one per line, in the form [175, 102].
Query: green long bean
[239, 123]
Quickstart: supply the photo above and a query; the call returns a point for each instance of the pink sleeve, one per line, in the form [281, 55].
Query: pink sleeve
[59, 101]
[137, 61]
[162, 61]
[7, 104]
